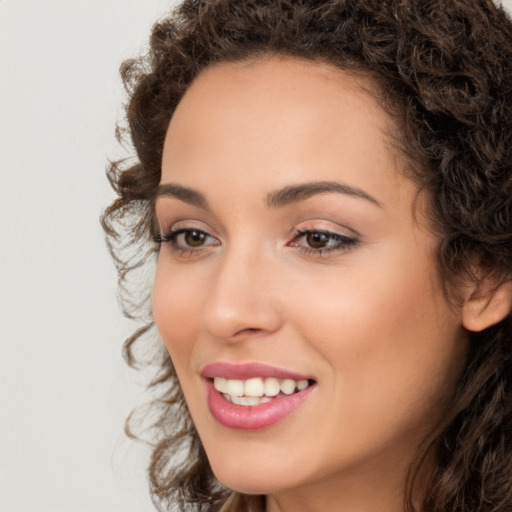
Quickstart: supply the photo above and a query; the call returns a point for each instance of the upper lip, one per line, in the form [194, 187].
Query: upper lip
[248, 371]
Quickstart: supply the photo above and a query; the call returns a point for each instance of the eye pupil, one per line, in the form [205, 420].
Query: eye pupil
[195, 238]
[317, 240]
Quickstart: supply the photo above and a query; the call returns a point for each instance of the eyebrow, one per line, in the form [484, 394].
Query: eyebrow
[296, 193]
[277, 199]
[185, 194]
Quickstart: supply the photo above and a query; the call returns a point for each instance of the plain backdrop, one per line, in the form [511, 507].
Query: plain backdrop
[64, 388]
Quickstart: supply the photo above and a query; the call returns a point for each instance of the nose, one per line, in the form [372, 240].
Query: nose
[241, 300]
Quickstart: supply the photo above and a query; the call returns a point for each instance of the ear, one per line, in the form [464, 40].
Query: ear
[487, 306]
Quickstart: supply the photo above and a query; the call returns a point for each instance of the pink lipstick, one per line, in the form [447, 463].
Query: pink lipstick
[253, 396]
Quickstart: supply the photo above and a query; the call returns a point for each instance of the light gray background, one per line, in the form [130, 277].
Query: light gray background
[64, 388]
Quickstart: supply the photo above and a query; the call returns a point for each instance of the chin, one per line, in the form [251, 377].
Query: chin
[251, 483]
[253, 476]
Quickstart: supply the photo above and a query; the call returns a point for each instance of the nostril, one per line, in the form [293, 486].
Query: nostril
[249, 330]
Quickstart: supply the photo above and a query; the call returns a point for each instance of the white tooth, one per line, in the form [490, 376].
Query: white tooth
[302, 384]
[253, 387]
[220, 384]
[288, 386]
[235, 387]
[271, 387]
[249, 400]
[227, 397]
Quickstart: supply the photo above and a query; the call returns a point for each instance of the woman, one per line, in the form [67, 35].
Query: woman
[327, 189]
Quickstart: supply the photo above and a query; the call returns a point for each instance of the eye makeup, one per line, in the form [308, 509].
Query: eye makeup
[312, 242]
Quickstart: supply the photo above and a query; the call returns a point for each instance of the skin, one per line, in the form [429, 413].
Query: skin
[369, 321]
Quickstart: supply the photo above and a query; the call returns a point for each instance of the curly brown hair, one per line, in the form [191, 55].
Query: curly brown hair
[443, 71]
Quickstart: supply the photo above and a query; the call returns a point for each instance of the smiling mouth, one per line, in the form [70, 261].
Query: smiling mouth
[258, 390]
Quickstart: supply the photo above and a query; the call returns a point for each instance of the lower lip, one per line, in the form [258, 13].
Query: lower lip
[253, 417]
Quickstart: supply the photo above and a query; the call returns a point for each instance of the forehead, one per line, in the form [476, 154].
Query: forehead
[280, 90]
[290, 118]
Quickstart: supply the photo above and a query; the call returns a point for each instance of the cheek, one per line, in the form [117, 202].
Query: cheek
[175, 311]
[393, 344]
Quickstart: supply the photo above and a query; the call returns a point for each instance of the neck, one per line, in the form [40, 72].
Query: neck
[367, 490]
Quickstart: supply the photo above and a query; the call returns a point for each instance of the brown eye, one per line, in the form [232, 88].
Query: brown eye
[317, 243]
[194, 238]
[187, 240]
[317, 240]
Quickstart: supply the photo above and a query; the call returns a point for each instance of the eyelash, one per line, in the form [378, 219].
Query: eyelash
[172, 235]
[343, 242]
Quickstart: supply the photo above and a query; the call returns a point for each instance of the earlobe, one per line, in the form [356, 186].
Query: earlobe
[482, 310]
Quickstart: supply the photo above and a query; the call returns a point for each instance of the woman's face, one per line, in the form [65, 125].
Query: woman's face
[291, 258]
